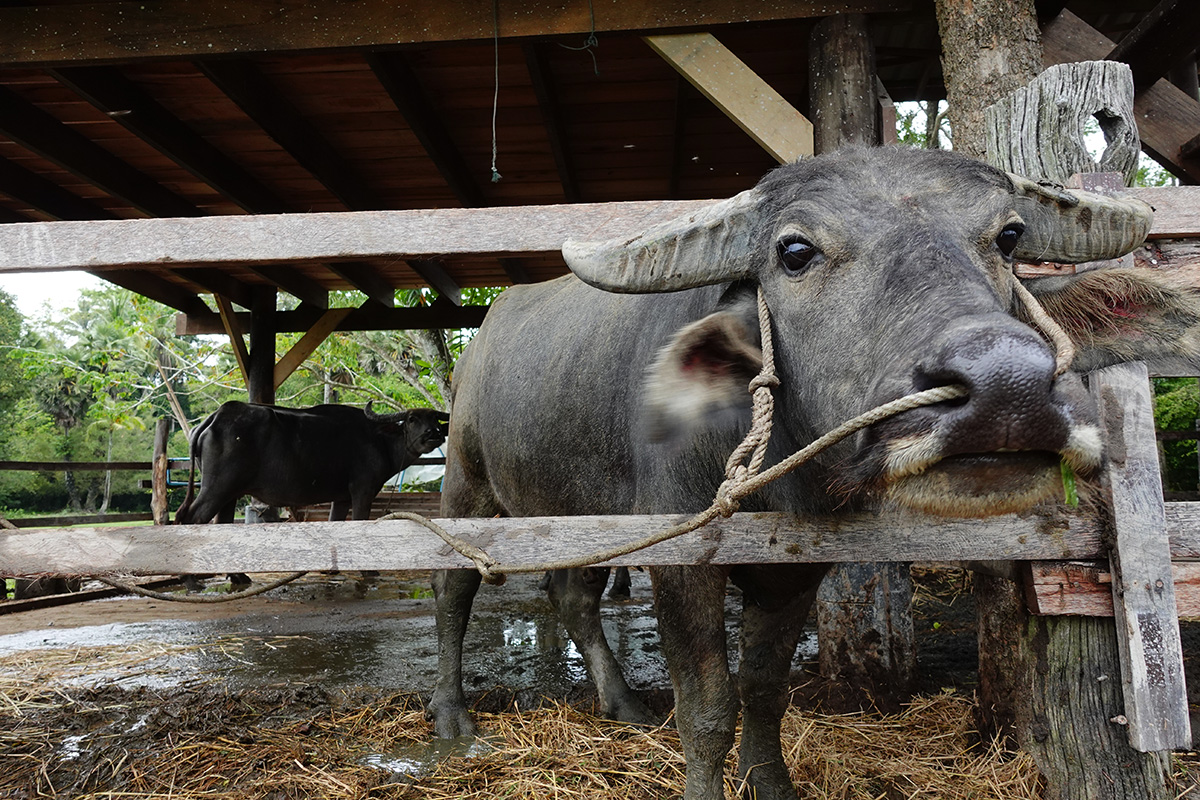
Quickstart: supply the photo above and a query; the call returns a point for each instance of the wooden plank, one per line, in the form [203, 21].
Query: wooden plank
[510, 231]
[1084, 588]
[1140, 558]
[132, 107]
[400, 545]
[1166, 116]
[741, 95]
[370, 317]
[309, 342]
[246, 84]
[233, 330]
[403, 87]
[53, 600]
[123, 32]
[37, 130]
[1161, 39]
[74, 466]
[80, 519]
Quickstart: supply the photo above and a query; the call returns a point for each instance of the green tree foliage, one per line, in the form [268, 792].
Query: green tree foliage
[1176, 408]
[88, 385]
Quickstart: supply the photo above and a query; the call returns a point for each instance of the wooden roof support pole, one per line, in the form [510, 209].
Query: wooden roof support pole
[260, 385]
[234, 331]
[864, 608]
[742, 95]
[309, 342]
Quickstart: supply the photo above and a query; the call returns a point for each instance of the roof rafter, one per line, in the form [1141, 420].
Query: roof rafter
[543, 89]
[1161, 39]
[84, 33]
[402, 86]
[38, 131]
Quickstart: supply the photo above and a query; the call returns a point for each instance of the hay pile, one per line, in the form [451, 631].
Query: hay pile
[203, 741]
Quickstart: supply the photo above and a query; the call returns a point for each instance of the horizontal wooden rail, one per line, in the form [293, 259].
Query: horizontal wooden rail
[73, 466]
[80, 519]
[403, 545]
[508, 231]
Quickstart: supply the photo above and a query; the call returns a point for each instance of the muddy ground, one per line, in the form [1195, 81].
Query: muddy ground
[134, 668]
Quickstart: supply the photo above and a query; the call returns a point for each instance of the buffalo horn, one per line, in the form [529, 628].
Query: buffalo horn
[396, 417]
[1073, 226]
[713, 245]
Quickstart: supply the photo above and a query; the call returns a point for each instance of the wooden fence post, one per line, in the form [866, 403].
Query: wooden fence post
[1057, 683]
[158, 473]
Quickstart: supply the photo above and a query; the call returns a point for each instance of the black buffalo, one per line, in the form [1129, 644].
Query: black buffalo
[298, 456]
[886, 271]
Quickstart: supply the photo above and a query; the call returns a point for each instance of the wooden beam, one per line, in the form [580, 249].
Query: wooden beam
[505, 232]
[233, 330]
[404, 88]
[46, 195]
[1140, 558]
[294, 283]
[156, 288]
[1084, 588]
[515, 271]
[36, 130]
[219, 283]
[1166, 116]
[543, 89]
[1159, 41]
[369, 317]
[367, 280]
[245, 84]
[434, 274]
[129, 105]
[744, 97]
[124, 32]
[309, 342]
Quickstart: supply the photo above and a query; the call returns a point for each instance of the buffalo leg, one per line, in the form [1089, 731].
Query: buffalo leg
[621, 584]
[575, 594]
[772, 621]
[454, 591]
[690, 603]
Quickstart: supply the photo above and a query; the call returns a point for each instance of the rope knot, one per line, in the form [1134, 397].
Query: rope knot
[761, 381]
[726, 501]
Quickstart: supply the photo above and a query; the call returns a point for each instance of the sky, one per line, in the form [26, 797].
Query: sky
[60, 289]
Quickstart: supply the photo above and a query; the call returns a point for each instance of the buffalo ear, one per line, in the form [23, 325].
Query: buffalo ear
[701, 375]
[1120, 314]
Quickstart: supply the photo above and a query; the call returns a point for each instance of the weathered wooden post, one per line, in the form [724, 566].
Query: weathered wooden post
[864, 610]
[158, 472]
[1060, 684]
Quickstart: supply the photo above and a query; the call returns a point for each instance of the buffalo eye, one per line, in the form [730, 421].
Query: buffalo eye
[1008, 238]
[795, 253]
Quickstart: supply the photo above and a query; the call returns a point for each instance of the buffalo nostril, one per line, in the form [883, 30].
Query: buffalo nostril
[923, 381]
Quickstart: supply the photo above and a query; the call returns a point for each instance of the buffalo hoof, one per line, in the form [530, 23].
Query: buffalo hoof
[239, 581]
[632, 711]
[450, 721]
[768, 782]
[193, 583]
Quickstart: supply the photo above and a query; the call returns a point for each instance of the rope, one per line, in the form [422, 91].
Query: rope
[496, 95]
[1063, 346]
[187, 598]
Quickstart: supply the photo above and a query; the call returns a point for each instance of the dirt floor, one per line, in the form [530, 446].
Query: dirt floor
[315, 690]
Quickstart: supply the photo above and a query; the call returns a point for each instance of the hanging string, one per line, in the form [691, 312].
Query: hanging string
[590, 42]
[496, 94]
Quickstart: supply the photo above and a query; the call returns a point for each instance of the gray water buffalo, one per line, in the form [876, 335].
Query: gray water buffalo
[622, 389]
[298, 456]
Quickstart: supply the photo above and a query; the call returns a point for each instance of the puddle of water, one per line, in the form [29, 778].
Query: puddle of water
[418, 758]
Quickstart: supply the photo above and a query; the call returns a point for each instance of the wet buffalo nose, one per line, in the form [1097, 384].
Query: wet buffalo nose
[1008, 371]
